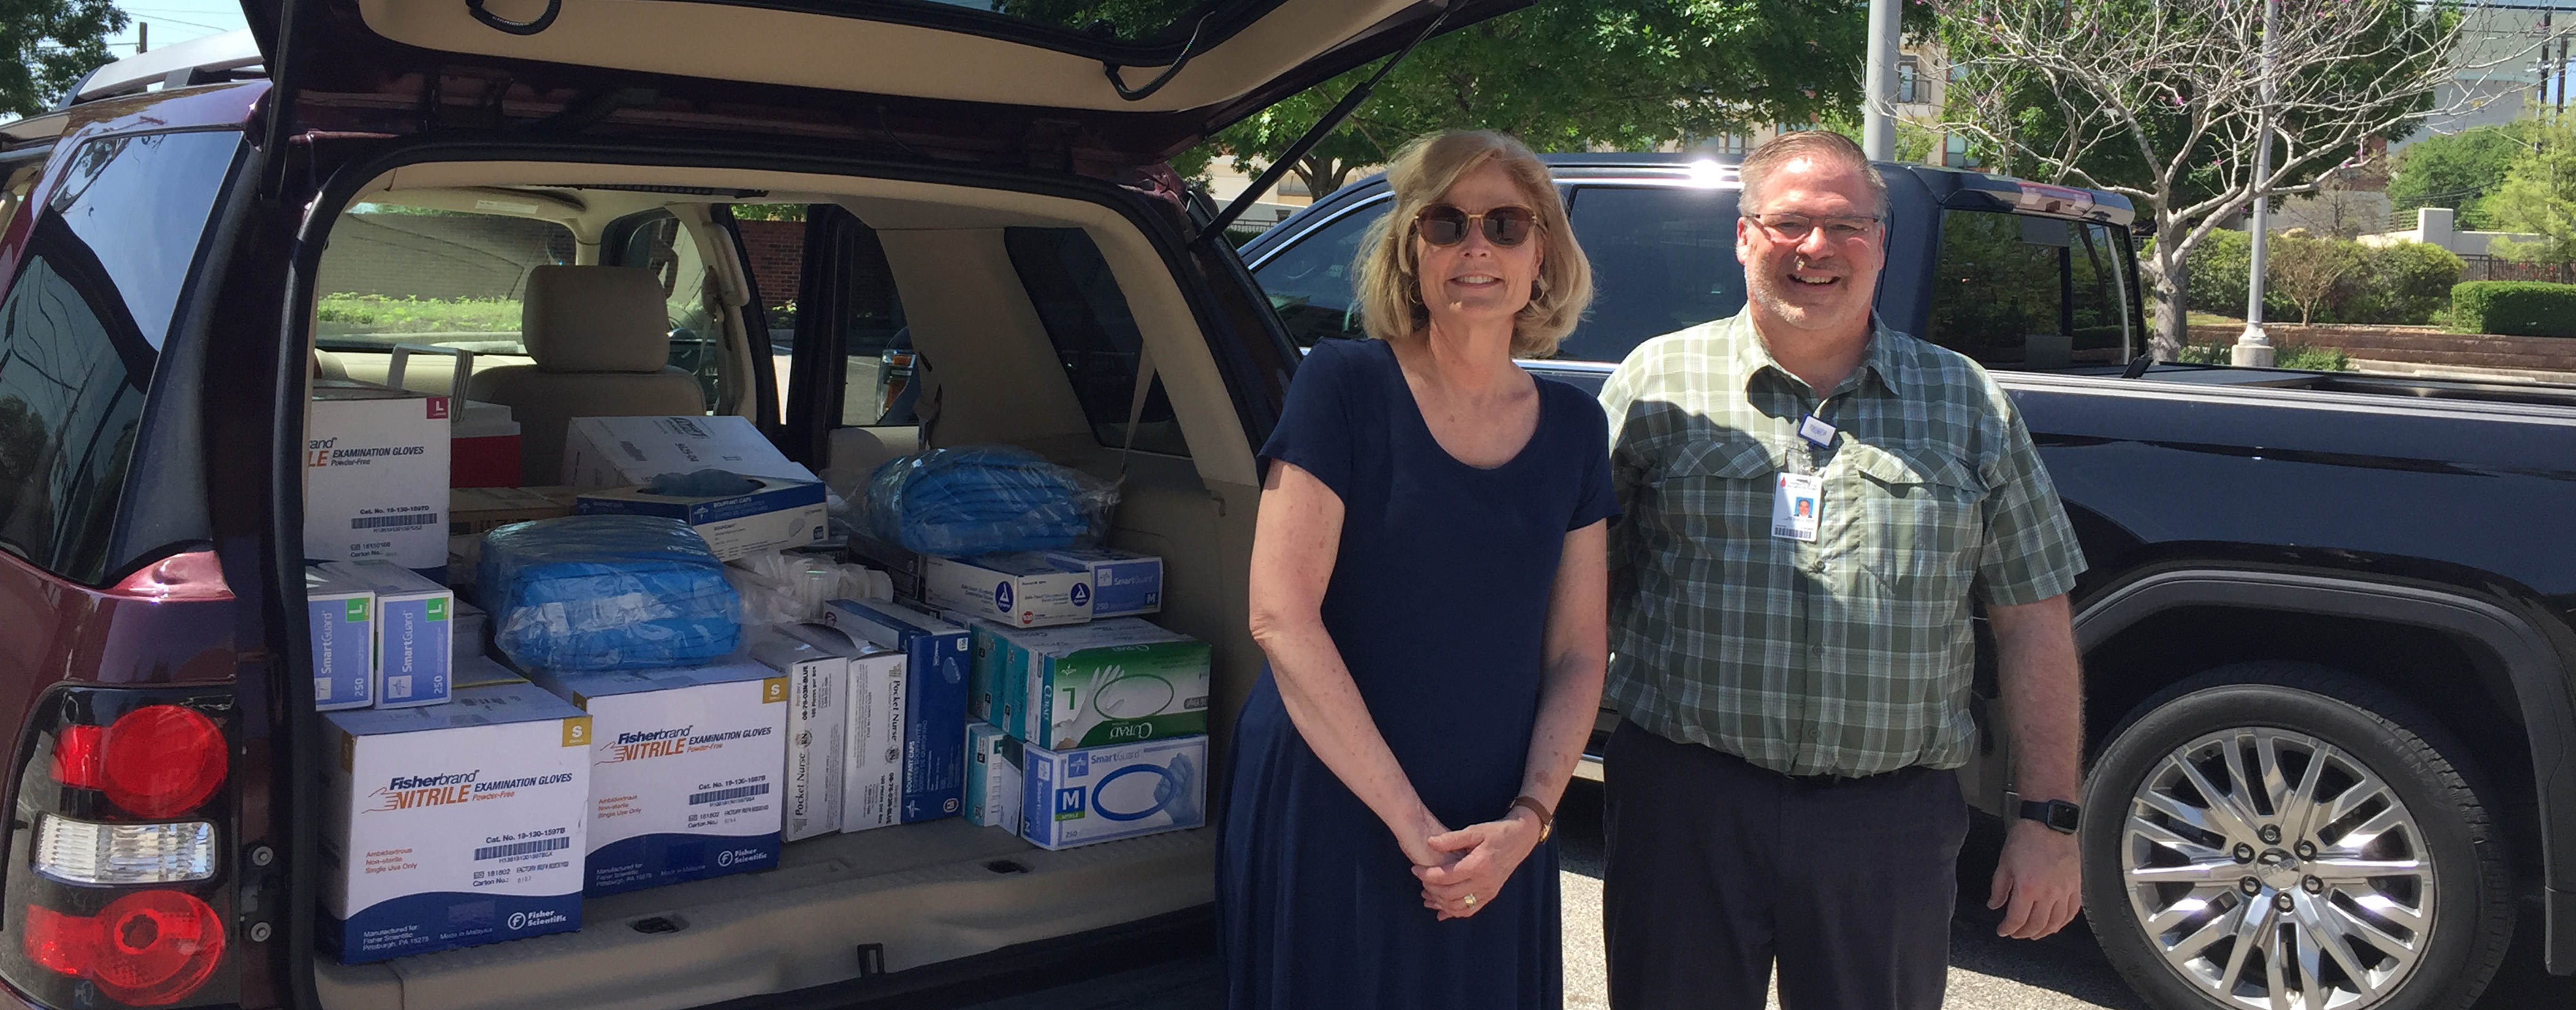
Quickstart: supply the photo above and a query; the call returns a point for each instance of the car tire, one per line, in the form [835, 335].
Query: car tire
[2378, 879]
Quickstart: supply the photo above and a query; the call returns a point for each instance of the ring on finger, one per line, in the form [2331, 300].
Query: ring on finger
[1471, 899]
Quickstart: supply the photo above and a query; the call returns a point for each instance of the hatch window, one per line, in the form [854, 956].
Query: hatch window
[2026, 292]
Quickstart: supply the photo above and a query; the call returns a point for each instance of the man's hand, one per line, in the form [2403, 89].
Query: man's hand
[2040, 878]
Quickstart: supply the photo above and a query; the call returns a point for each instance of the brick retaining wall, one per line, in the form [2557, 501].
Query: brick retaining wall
[2422, 345]
[777, 252]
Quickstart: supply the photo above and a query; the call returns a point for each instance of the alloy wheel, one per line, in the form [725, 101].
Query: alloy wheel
[2273, 870]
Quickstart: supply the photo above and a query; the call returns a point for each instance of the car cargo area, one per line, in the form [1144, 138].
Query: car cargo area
[1016, 319]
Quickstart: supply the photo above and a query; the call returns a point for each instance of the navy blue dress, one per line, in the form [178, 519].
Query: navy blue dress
[1438, 603]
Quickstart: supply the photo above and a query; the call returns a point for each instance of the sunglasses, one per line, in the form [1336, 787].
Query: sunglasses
[1443, 225]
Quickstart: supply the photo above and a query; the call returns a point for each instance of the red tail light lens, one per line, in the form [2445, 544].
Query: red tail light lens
[161, 760]
[149, 948]
[76, 756]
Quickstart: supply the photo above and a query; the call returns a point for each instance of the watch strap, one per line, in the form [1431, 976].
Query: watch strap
[1546, 817]
[2046, 813]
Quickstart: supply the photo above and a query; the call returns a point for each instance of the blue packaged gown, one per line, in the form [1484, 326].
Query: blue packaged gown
[607, 592]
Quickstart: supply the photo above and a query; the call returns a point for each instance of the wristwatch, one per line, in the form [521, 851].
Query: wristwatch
[1546, 817]
[2060, 816]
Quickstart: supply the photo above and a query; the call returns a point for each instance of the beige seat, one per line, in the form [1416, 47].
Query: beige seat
[602, 345]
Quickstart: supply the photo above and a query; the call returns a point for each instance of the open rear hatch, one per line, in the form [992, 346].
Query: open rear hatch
[1136, 81]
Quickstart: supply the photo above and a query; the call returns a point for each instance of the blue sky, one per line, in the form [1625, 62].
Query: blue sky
[176, 21]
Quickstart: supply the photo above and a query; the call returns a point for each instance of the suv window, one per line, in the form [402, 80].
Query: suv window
[409, 275]
[1663, 259]
[2015, 291]
[1310, 282]
[81, 331]
[1094, 333]
[876, 348]
[657, 240]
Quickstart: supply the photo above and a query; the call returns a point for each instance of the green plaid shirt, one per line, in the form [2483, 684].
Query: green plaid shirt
[1851, 655]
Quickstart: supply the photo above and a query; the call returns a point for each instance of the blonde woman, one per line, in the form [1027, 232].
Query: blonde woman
[1428, 582]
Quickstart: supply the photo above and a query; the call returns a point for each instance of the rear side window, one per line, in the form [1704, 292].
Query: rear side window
[81, 331]
[1663, 259]
[1310, 283]
[1095, 336]
[2014, 291]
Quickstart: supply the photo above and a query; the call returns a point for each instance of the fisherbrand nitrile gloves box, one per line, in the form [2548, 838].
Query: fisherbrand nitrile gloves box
[993, 782]
[454, 825]
[340, 616]
[1123, 583]
[872, 784]
[1019, 590]
[818, 717]
[375, 476]
[1107, 793]
[776, 515]
[936, 655]
[415, 640]
[684, 771]
[1106, 682]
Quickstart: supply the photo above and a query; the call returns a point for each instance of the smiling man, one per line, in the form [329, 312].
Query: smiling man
[1813, 503]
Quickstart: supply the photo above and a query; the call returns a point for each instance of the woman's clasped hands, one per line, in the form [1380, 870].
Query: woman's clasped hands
[1463, 871]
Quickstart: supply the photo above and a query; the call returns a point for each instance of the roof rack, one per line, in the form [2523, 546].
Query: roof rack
[197, 61]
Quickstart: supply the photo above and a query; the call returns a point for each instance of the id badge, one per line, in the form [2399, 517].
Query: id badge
[1798, 508]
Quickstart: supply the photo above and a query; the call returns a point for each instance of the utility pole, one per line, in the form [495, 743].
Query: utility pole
[142, 37]
[2254, 348]
[1878, 82]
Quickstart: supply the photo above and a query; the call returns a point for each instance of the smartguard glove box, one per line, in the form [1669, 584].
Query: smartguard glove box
[1107, 793]
[454, 825]
[684, 775]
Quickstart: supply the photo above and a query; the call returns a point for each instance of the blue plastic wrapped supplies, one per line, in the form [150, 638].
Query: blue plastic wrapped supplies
[986, 499]
[606, 592]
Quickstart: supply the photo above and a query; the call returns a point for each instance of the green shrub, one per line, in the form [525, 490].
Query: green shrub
[2402, 284]
[2315, 359]
[2514, 308]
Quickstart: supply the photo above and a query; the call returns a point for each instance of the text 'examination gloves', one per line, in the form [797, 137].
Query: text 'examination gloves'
[607, 592]
[985, 499]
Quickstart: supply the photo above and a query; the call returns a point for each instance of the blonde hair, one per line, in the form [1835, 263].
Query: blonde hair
[1389, 288]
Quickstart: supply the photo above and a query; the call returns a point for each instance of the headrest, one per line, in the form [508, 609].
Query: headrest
[595, 319]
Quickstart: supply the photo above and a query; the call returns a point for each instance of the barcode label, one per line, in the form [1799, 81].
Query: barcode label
[723, 795]
[405, 521]
[522, 848]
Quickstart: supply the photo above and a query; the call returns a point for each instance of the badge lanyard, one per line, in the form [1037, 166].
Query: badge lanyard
[1798, 506]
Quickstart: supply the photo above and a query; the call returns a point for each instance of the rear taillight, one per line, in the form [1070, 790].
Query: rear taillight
[117, 878]
[148, 948]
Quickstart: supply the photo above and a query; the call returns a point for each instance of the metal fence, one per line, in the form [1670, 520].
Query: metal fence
[2489, 268]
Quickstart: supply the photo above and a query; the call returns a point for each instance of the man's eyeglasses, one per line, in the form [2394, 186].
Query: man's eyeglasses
[1443, 225]
[1795, 227]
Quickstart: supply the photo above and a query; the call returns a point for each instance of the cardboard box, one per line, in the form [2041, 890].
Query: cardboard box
[473, 632]
[872, 787]
[780, 515]
[1123, 583]
[626, 451]
[818, 726]
[993, 781]
[986, 650]
[1107, 793]
[1112, 681]
[341, 618]
[902, 567]
[483, 446]
[936, 654]
[415, 641]
[1020, 590]
[685, 770]
[375, 476]
[482, 671]
[478, 510]
[454, 825]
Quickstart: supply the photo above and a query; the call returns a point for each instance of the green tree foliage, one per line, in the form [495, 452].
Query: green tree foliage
[55, 42]
[2454, 170]
[2402, 284]
[2308, 271]
[2538, 197]
[1573, 75]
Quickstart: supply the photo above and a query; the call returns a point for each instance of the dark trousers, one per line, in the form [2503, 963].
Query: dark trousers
[1718, 870]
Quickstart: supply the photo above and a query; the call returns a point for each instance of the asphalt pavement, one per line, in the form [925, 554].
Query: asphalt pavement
[2065, 972]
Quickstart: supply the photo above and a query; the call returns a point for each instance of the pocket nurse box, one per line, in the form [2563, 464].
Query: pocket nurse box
[684, 772]
[872, 781]
[454, 825]
[415, 635]
[936, 656]
[818, 723]
[340, 617]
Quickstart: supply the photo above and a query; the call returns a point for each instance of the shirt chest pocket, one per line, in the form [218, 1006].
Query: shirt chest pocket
[1918, 519]
[1719, 493]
